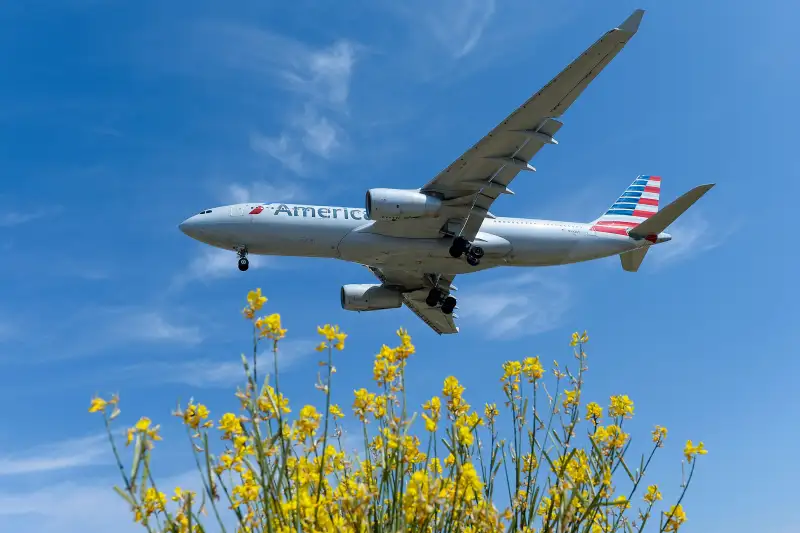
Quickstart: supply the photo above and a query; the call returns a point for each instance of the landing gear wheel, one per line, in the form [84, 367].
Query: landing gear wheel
[449, 305]
[476, 251]
[434, 297]
[472, 260]
[244, 264]
[460, 246]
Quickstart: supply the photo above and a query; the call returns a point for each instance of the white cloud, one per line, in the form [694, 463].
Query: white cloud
[89, 506]
[153, 326]
[216, 263]
[319, 79]
[57, 456]
[322, 79]
[206, 373]
[525, 304]
[691, 234]
[264, 191]
[458, 25]
[14, 218]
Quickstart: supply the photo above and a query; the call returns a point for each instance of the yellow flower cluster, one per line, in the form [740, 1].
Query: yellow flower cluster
[286, 472]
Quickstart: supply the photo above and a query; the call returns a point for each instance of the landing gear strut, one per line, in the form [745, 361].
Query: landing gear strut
[462, 246]
[244, 264]
[437, 297]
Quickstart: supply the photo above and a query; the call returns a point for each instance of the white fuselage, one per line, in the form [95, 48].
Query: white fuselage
[344, 233]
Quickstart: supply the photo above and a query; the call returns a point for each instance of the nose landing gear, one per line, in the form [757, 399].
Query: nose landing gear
[244, 264]
[462, 246]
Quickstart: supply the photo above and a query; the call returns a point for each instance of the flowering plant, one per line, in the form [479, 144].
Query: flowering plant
[280, 473]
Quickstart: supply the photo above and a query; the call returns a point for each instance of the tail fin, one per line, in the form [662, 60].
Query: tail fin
[638, 203]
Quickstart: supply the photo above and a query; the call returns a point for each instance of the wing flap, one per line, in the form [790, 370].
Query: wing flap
[415, 289]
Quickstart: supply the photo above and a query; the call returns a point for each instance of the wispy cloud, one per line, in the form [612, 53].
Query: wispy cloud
[692, 234]
[15, 218]
[62, 455]
[86, 505]
[526, 304]
[317, 80]
[207, 373]
[212, 264]
[264, 191]
[98, 329]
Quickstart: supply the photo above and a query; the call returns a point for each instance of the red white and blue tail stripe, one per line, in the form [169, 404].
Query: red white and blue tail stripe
[638, 203]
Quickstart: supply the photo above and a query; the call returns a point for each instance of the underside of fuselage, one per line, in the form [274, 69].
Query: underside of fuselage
[505, 242]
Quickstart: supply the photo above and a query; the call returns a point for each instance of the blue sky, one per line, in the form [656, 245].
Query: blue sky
[118, 120]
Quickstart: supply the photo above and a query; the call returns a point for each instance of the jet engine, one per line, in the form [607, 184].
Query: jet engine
[393, 204]
[370, 298]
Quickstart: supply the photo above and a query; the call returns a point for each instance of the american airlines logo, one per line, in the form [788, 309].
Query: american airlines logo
[314, 212]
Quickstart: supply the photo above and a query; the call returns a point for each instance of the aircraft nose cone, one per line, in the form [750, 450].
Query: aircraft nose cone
[190, 227]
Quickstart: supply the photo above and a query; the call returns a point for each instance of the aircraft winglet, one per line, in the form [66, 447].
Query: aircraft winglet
[631, 24]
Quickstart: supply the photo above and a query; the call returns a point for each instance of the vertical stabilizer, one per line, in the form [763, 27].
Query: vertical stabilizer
[638, 203]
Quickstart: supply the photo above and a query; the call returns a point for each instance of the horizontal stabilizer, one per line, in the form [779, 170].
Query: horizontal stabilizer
[662, 219]
[633, 259]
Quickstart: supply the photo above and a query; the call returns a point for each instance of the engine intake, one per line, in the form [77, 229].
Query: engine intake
[370, 298]
[393, 204]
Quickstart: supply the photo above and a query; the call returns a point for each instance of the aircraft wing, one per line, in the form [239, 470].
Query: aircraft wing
[415, 289]
[471, 184]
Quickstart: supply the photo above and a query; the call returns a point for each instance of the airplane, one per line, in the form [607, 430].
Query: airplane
[415, 242]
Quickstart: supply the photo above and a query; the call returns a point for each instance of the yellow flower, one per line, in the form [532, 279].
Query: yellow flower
[308, 423]
[143, 427]
[98, 404]
[571, 398]
[321, 347]
[593, 412]
[255, 300]
[490, 412]
[363, 403]
[195, 414]
[690, 451]
[659, 435]
[578, 338]
[336, 412]
[620, 405]
[465, 436]
[270, 327]
[677, 517]
[532, 368]
[231, 425]
[652, 495]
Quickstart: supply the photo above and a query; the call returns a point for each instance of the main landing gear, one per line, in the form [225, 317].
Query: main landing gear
[462, 246]
[437, 297]
[244, 264]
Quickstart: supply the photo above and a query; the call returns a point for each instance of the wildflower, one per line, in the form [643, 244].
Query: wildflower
[255, 300]
[308, 423]
[690, 451]
[593, 412]
[571, 398]
[270, 327]
[332, 333]
[143, 427]
[453, 390]
[336, 412]
[532, 368]
[620, 406]
[578, 338]
[405, 349]
[231, 425]
[676, 518]
[98, 404]
[652, 495]
[490, 412]
[363, 403]
[322, 346]
[659, 435]
[195, 414]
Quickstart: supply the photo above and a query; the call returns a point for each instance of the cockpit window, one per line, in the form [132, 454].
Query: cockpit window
[204, 212]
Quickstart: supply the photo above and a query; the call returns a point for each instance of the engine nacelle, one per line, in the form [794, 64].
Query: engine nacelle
[370, 298]
[393, 204]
